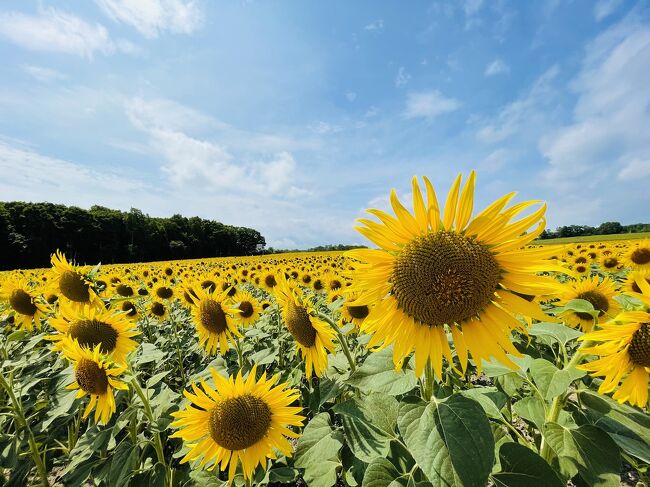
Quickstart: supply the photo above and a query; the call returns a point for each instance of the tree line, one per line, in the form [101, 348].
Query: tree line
[606, 228]
[30, 232]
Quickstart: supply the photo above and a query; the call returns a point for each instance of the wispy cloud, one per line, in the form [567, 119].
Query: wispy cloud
[402, 77]
[605, 8]
[429, 104]
[376, 25]
[43, 74]
[55, 31]
[496, 67]
[152, 17]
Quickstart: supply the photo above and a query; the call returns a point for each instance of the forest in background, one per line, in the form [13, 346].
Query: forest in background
[30, 232]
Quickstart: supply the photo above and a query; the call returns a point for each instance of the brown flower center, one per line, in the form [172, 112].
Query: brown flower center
[90, 333]
[246, 308]
[239, 422]
[73, 286]
[158, 309]
[359, 312]
[639, 350]
[91, 377]
[300, 325]
[444, 278]
[597, 299]
[640, 256]
[212, 316]
[270, 281]
[164, 292]
[21, 302]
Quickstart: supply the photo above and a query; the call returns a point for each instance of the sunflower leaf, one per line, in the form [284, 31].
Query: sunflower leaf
[522, 467]
[318, 452]
[377, 374]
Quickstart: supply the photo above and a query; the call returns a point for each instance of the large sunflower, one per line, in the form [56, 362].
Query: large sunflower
[249, 307]
[435, 270]
[24, 304]
[70, 283]
[213, 316]
[600, 293]
[238, 421]
[314, 337]
[94, 375]
[92, 327]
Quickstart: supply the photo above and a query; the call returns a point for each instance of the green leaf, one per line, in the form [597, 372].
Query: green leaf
[203, 478]
[522, 467]
[451, 441]
[490, 398]
[369, 424]
[628, 427]
[555, 331]
[494, 368]
[149, 353]
[318, 452]
[154, 379]
[550, 380]
[382, 473]
[587, 451]
[377, 374]
[124, 462]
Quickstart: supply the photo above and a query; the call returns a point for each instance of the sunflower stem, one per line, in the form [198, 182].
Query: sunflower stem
[342, 340]
[240, 354]
[558, 402]
[19, 415]
[428, 381]
[157, 441]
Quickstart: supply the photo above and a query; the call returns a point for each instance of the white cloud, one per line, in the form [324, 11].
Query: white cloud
[605, 8]
[635, 170]
[523, 111]
[376, 25]
[472, 8]
[402, 77]
[351, 96]
[611, 126]
[152, 17]
[200, 162]
[43, 74]
[496, 67]
[36, 177]
[55, 31]
[429, 105]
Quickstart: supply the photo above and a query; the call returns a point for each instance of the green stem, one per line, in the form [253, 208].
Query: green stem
[178, 350]
[342, 340]
[22, 422]
[240, 354]
[558, 402]
[427, 382]
[157, 443]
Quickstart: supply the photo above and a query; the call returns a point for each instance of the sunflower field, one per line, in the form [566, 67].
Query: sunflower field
[457, 351]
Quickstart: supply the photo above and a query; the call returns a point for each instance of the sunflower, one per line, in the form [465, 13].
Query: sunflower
[163, 290]
[600, 293]
[23, 301]
[638, 256]
[434, 271]
[630, 285]
[610, 263]
[269, 280]
[624, 351]
[94, 375]
[582, 269]
[314, 337]
[238, 421]
[213, 314]
[158, 310]
[93, 327]
[71, 283]
[354, 314]
[249, 307]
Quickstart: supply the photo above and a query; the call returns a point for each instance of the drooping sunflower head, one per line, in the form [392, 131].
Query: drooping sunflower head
[24, 303]
[238, 421]
[70, 283]
[214, 318]
[442, 270]
[638, 255]
[600, 293]
[313, 337]
[109, 331]
[94, 375]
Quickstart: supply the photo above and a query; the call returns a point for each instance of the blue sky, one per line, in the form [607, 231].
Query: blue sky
[293, 117]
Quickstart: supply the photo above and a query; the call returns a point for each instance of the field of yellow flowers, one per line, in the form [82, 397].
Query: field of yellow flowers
[456, 351]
